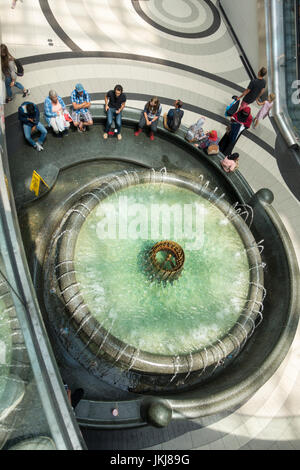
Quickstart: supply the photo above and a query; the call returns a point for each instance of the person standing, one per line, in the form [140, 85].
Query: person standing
[265, 110]
[29, 115]
[115, 101]
[255, 89]
[150, 116]
[54, 111]
[81, 103]
[8, 67]
[14, 2]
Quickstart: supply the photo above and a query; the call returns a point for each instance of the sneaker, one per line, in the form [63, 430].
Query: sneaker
[80, 130]
[39, 147]
[151, 136]
[119, 137]
[8, 100]
[138, 132]
[105, 135]
[26, 93]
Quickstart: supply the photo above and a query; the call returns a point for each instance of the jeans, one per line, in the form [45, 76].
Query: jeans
[27, 132]
[111, 114]
[8, 81]
[142, 123]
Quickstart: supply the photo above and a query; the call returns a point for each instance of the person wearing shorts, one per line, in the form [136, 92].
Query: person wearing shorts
[81, 103]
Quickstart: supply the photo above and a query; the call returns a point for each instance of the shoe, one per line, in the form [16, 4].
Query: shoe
[26, 93]
[8, 100]
[83, 129]
[151, 136]
[105, 135]
[138, 132]
[119, 137]
[39, 147]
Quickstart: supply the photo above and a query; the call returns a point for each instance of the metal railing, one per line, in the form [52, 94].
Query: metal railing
[277, 75]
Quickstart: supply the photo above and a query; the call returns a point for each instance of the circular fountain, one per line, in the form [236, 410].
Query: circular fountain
[157, 336]
[166, 260]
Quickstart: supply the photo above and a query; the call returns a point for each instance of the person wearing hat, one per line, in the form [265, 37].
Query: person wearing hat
[81, 103]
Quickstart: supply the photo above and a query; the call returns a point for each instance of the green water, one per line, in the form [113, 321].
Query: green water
[199, 307]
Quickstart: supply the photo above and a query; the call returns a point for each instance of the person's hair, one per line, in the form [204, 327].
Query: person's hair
[119, 88]
[52, 94]
[5, 58]
[233, 156]
[262, 72]
[178, 104]
[271, 97]
[30, 109]
[153, 104]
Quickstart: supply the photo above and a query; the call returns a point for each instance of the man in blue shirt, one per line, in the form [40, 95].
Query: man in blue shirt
[81, 103]
[29, 115]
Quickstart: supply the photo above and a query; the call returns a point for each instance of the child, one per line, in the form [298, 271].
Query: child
[265, 110]
[230, 163]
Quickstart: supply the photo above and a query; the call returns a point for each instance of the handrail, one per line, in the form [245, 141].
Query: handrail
[276, 76]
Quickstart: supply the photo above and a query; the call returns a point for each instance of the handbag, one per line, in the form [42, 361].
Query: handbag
[213, 149]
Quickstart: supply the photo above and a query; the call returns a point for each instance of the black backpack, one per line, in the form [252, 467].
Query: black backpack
[177, 116]
[20, 69]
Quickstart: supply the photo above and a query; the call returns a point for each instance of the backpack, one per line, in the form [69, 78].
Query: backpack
[20, 69]
[176, 121]
[232, 108]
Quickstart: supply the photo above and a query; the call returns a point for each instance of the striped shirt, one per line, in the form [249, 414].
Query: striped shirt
[79, 99]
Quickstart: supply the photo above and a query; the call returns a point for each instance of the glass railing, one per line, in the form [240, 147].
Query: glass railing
[34, 408]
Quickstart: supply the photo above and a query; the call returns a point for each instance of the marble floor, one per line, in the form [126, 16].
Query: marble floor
[172, 49]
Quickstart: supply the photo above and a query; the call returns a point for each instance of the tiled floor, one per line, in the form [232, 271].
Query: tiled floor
[205, 71]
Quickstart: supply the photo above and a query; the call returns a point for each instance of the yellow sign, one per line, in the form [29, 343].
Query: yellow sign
[35, 183]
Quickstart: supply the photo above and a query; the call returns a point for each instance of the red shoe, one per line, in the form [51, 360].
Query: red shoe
[138, 132]
[151, 136]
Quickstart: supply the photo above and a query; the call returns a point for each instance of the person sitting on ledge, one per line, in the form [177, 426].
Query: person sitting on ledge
[172, 120]
[55, 112]
[114, 104]
[81, 103]
[230, 163]
[150, 116]
[29, 115]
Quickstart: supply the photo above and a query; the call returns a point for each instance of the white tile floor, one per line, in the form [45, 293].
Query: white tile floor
[271, 418]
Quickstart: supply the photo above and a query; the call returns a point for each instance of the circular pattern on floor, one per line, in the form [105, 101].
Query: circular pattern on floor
[159, 14]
